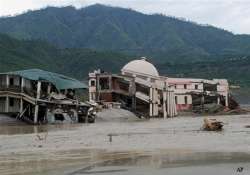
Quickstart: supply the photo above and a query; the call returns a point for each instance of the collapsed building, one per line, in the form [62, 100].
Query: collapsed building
[140, 88]
[38, 96]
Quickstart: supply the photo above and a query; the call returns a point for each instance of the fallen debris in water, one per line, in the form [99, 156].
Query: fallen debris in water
[212, 125]
[110, 137]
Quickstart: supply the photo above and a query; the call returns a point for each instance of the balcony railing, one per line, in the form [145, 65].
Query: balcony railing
[11, 88]
[18, 89]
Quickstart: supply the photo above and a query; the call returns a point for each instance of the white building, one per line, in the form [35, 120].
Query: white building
[164, 95]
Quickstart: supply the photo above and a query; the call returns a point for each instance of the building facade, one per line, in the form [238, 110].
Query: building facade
[38, 96]
[140, 88]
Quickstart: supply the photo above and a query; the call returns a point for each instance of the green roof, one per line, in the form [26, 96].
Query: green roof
[60, 81]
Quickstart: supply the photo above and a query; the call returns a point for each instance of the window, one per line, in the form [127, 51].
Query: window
[104, 83]
[185, 86]
[176, 100]
[186, 100]
[196, 86]
[59, 117]
[11, 102]
[92, 83]
[11, 81]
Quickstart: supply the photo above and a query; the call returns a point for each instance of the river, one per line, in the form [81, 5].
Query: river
[157, 146]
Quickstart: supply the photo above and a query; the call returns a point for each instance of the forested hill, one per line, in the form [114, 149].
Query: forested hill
[24, 54]
[102, 27]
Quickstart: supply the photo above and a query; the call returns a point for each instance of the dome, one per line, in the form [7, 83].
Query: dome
[141, 66]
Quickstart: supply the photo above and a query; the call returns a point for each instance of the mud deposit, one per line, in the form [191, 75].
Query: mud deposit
[172, 146]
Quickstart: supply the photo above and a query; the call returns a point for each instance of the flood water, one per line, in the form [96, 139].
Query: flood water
[172, 146]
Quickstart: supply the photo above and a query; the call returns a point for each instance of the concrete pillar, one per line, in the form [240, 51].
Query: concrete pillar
[150, 102]
[155, 102]
[7, 81]
[90, 88]
[38, 94]
[21, 105]
[174, 105]
[175, 109]
[164, 104]
[36, 114]
[97, 88]
[38, 90]
[132, 88]
[171, 104]
[22, 84]
[226, 100]
[7, 104]
[49, 88]
[110, 82]
[218, 100]
[90, 96]
[168, 103]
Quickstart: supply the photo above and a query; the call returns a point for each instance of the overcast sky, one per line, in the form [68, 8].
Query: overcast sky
[232, 15]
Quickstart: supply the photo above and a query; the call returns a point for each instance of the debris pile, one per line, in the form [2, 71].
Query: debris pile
[212, 125]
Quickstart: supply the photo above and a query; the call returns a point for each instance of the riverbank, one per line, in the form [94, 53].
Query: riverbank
[52, 149]
[178, 133]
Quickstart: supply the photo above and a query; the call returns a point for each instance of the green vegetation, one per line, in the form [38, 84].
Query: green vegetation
[102, 27]
[16, 54]
[21, 54]
[236, 70]
[75, 41]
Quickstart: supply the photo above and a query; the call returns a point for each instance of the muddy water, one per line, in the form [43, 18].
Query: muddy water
[74, 162]
[173, 146]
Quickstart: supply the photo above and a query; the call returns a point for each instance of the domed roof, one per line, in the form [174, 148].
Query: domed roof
[141, 66]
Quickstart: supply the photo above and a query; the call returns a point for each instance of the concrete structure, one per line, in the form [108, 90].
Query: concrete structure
[140, 88]
[37, 96]
[189, 91]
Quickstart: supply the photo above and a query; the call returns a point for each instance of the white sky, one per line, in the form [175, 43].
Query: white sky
[232, 15]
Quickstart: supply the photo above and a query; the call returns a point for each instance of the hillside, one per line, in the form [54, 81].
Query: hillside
[19, 54]
[23, 54]
[102, 27]
[236, 70]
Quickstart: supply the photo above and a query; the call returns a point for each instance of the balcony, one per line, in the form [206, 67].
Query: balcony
[18, 89]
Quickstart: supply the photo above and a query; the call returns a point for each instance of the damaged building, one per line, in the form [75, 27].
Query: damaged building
[140, 88]
[37, 96]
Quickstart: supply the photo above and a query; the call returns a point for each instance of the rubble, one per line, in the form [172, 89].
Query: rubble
[212, 125]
